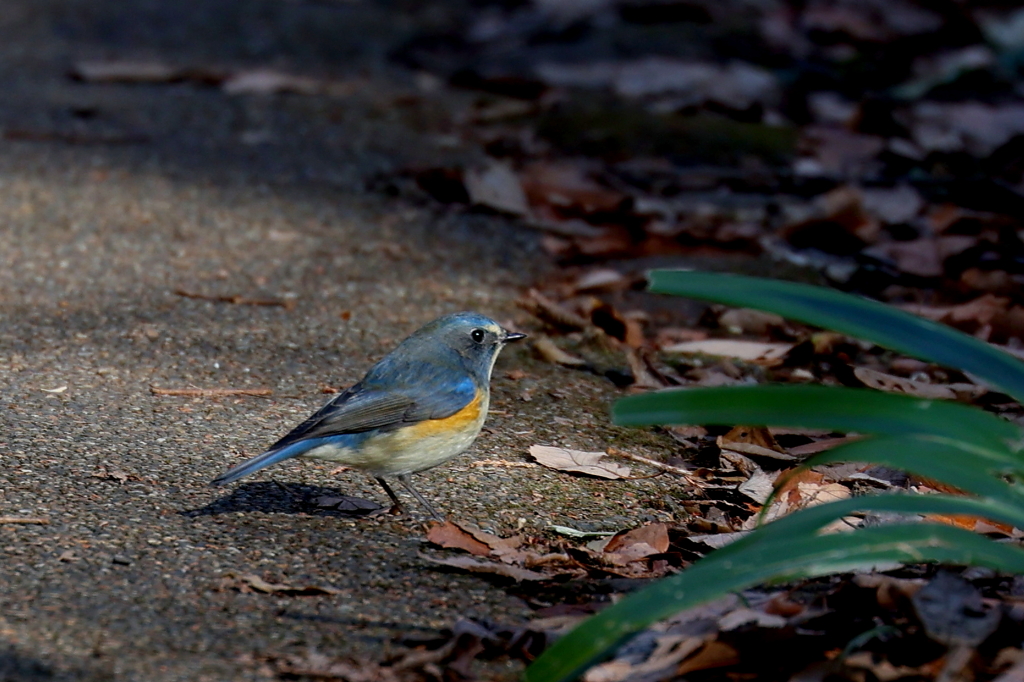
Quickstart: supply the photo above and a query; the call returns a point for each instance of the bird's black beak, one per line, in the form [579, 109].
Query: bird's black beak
[512, 336]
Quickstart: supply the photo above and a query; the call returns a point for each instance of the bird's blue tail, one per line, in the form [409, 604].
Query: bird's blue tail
[266, 459]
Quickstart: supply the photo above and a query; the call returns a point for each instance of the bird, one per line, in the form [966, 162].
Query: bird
[422, 404]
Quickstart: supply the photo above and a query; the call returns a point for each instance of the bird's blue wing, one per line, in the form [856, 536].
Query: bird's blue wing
[431, 393]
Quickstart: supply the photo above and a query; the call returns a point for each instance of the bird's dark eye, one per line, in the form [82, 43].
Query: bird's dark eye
[477, 335]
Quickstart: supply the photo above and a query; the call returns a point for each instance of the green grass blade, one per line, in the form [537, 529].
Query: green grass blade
[852, 315]
[966, 466]
[817, 407]
[784, 558]
[809, 521]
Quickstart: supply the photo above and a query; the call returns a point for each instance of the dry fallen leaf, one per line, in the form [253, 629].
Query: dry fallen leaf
[750, 321]
[552, 353]
[667, 337]
[837, 151]
[749, 435]
[974, 127]
[472, 539]
[730, 460]
[980, 311]
[499, 546]
[269, 81]
[638, 543]
[751, 351]
[799, 489]
[645, 374]
[871, 21]
[758, 487]
[718, 540]
[472, 565]
[954, 612]
[893, 205]
[887, 382]
[813, 494]
[753, 440]
[814, 447]
[601, 279]
[670, 649]
[737, 85]
[565, 185]
[449, 536]
[592, 463]
[497, 187]
[552, 312]
[920, 257]
[714, 655]
[747, 616]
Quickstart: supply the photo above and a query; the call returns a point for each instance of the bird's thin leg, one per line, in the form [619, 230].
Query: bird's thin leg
[396, 507]
[404, 480]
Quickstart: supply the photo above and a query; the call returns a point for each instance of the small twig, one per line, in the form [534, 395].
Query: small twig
[236, 300]
[210, 392]
[36, 520]
[556, 313]
[643, 478]
[668, 468]
[501, 463]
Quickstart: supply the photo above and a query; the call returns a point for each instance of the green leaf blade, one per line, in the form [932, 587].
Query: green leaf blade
[860, 317]
[965, 466]
[817, 407]
[784, 557]
[813, 519]
[968, 448]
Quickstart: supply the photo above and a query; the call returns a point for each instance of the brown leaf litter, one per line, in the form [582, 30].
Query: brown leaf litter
[578, 461]
[506, 556]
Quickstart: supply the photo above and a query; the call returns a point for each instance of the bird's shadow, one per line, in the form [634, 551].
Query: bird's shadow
[293, 498]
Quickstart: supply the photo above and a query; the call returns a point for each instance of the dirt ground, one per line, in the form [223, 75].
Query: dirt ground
[117, 199]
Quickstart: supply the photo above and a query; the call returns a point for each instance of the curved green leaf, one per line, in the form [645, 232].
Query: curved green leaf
[853, 315]
[963, 446]
[810, 521]
[818, 407]
[966, 466]
[780, 557]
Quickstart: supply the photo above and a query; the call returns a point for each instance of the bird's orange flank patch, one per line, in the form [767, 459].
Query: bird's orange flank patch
[453, 424]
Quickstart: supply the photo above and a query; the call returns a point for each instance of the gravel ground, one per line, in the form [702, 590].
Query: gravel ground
[114, 197]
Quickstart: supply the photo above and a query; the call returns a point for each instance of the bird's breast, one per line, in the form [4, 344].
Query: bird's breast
[469, 417]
